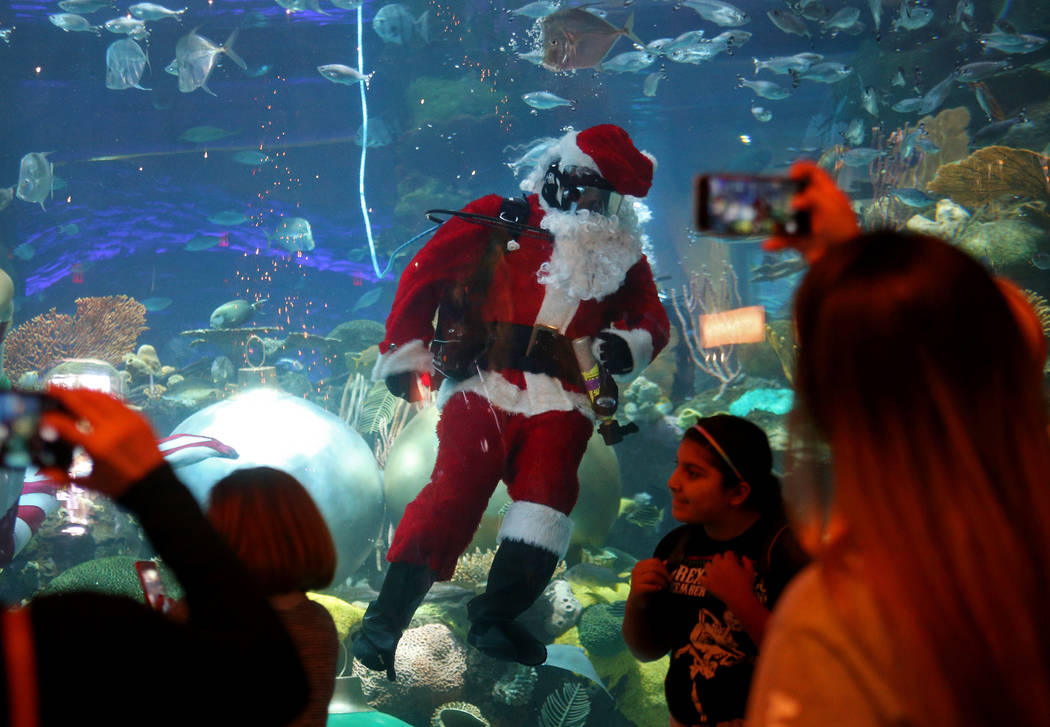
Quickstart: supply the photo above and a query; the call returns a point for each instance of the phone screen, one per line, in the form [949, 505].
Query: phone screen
[22, 441]
[152, 588]
[744, 206]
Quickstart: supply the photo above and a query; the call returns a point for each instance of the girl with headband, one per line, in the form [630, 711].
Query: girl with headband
[705, 596]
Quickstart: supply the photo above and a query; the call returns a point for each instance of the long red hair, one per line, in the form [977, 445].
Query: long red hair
[273, 525]
[914, 371]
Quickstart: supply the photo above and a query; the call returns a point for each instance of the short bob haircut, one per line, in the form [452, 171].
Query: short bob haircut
[273, 525]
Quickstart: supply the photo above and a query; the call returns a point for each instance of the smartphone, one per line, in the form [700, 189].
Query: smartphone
[23, 442]
[152, 588]
[736, 205]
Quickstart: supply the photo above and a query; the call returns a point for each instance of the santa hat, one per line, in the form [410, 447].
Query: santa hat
[608, 150]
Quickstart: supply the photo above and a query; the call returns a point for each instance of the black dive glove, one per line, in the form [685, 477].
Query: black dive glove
[614, 353]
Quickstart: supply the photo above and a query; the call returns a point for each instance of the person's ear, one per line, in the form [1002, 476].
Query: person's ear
[740, 493]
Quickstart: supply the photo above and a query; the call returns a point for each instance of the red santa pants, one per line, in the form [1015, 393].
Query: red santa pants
[478, 444]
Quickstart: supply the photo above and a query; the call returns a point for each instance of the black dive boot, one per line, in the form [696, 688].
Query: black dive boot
[517, 578]
[387, 617]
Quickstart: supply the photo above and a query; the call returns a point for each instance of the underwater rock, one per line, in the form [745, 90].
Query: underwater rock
[951, 219]
[431, 666]
[147, 354]
[556, 611]
[1003, 244]
[358, 334]
[411, 460]
[516, 686]
[775, 401]
[335, 465]
[644, 402]
[993, 172]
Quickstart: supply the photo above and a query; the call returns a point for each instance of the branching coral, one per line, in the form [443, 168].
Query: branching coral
[993, 172]
[105, 328]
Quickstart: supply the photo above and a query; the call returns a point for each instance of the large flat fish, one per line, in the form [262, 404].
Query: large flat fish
[575, 38]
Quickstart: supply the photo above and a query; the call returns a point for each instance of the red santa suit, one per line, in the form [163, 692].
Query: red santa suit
[530, 429]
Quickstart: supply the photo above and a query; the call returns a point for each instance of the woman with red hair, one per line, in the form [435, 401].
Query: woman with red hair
[274, 527]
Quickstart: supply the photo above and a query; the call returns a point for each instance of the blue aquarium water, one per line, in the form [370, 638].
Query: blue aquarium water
[233, 190]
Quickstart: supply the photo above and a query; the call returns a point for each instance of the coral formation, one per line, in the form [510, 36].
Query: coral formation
[105, 328]
[114, 575]
[357, 335]
[993, 172]
[516, 686]
[431, 665]
[472, 569]
[775, 401]
[645, 402]
[458, 714]
[556, 611]
[948, 131]
[600, 630]
[345, 615]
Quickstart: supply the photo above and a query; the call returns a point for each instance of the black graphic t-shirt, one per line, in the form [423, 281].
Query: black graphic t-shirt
[712, 657]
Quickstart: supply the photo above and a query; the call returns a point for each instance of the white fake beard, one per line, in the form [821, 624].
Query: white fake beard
[592, 253]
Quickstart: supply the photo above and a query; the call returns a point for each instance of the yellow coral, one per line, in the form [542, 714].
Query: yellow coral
[641, 697]
[346, 615]
[588, 595]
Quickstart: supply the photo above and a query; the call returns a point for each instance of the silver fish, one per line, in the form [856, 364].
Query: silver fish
[296, 6]
[981, 70]
[659, 46]
[574, 38]
[395, 24]
[907, 105]
[765, 89]
[222, 369]
[545, 100]
[7, 195]
[5, 34]
[718, 12]
[294, 234]
[338, 73]
[1012, 42]
[629, 62]
[152, 11]
[537, 9]
[913, 18]
[36, 178]
[841, 20]
[234, 313]
[762, 114]
[782, 65]
[875, 6]
[827, 72]
[125, 63]
[869, 100]
[861, 156]
[348, 4]
[936, 95]
[913, 197]
[73, 23]
[128, 26]
[85, 7]
[650, 83]
[788, 22]
[196, 57]
[854, 133]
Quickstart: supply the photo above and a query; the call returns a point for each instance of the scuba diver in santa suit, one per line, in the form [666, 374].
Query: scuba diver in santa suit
[511, 300]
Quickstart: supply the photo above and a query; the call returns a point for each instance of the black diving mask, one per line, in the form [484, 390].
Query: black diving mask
[577, 188]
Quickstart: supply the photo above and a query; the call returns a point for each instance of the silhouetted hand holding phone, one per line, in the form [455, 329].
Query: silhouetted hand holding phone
[120, 442]
[832, 220]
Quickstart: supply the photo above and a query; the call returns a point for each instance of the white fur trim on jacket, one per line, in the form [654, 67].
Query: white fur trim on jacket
[541, 393]
[539, 525]
[410, 356]
[638, 340]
